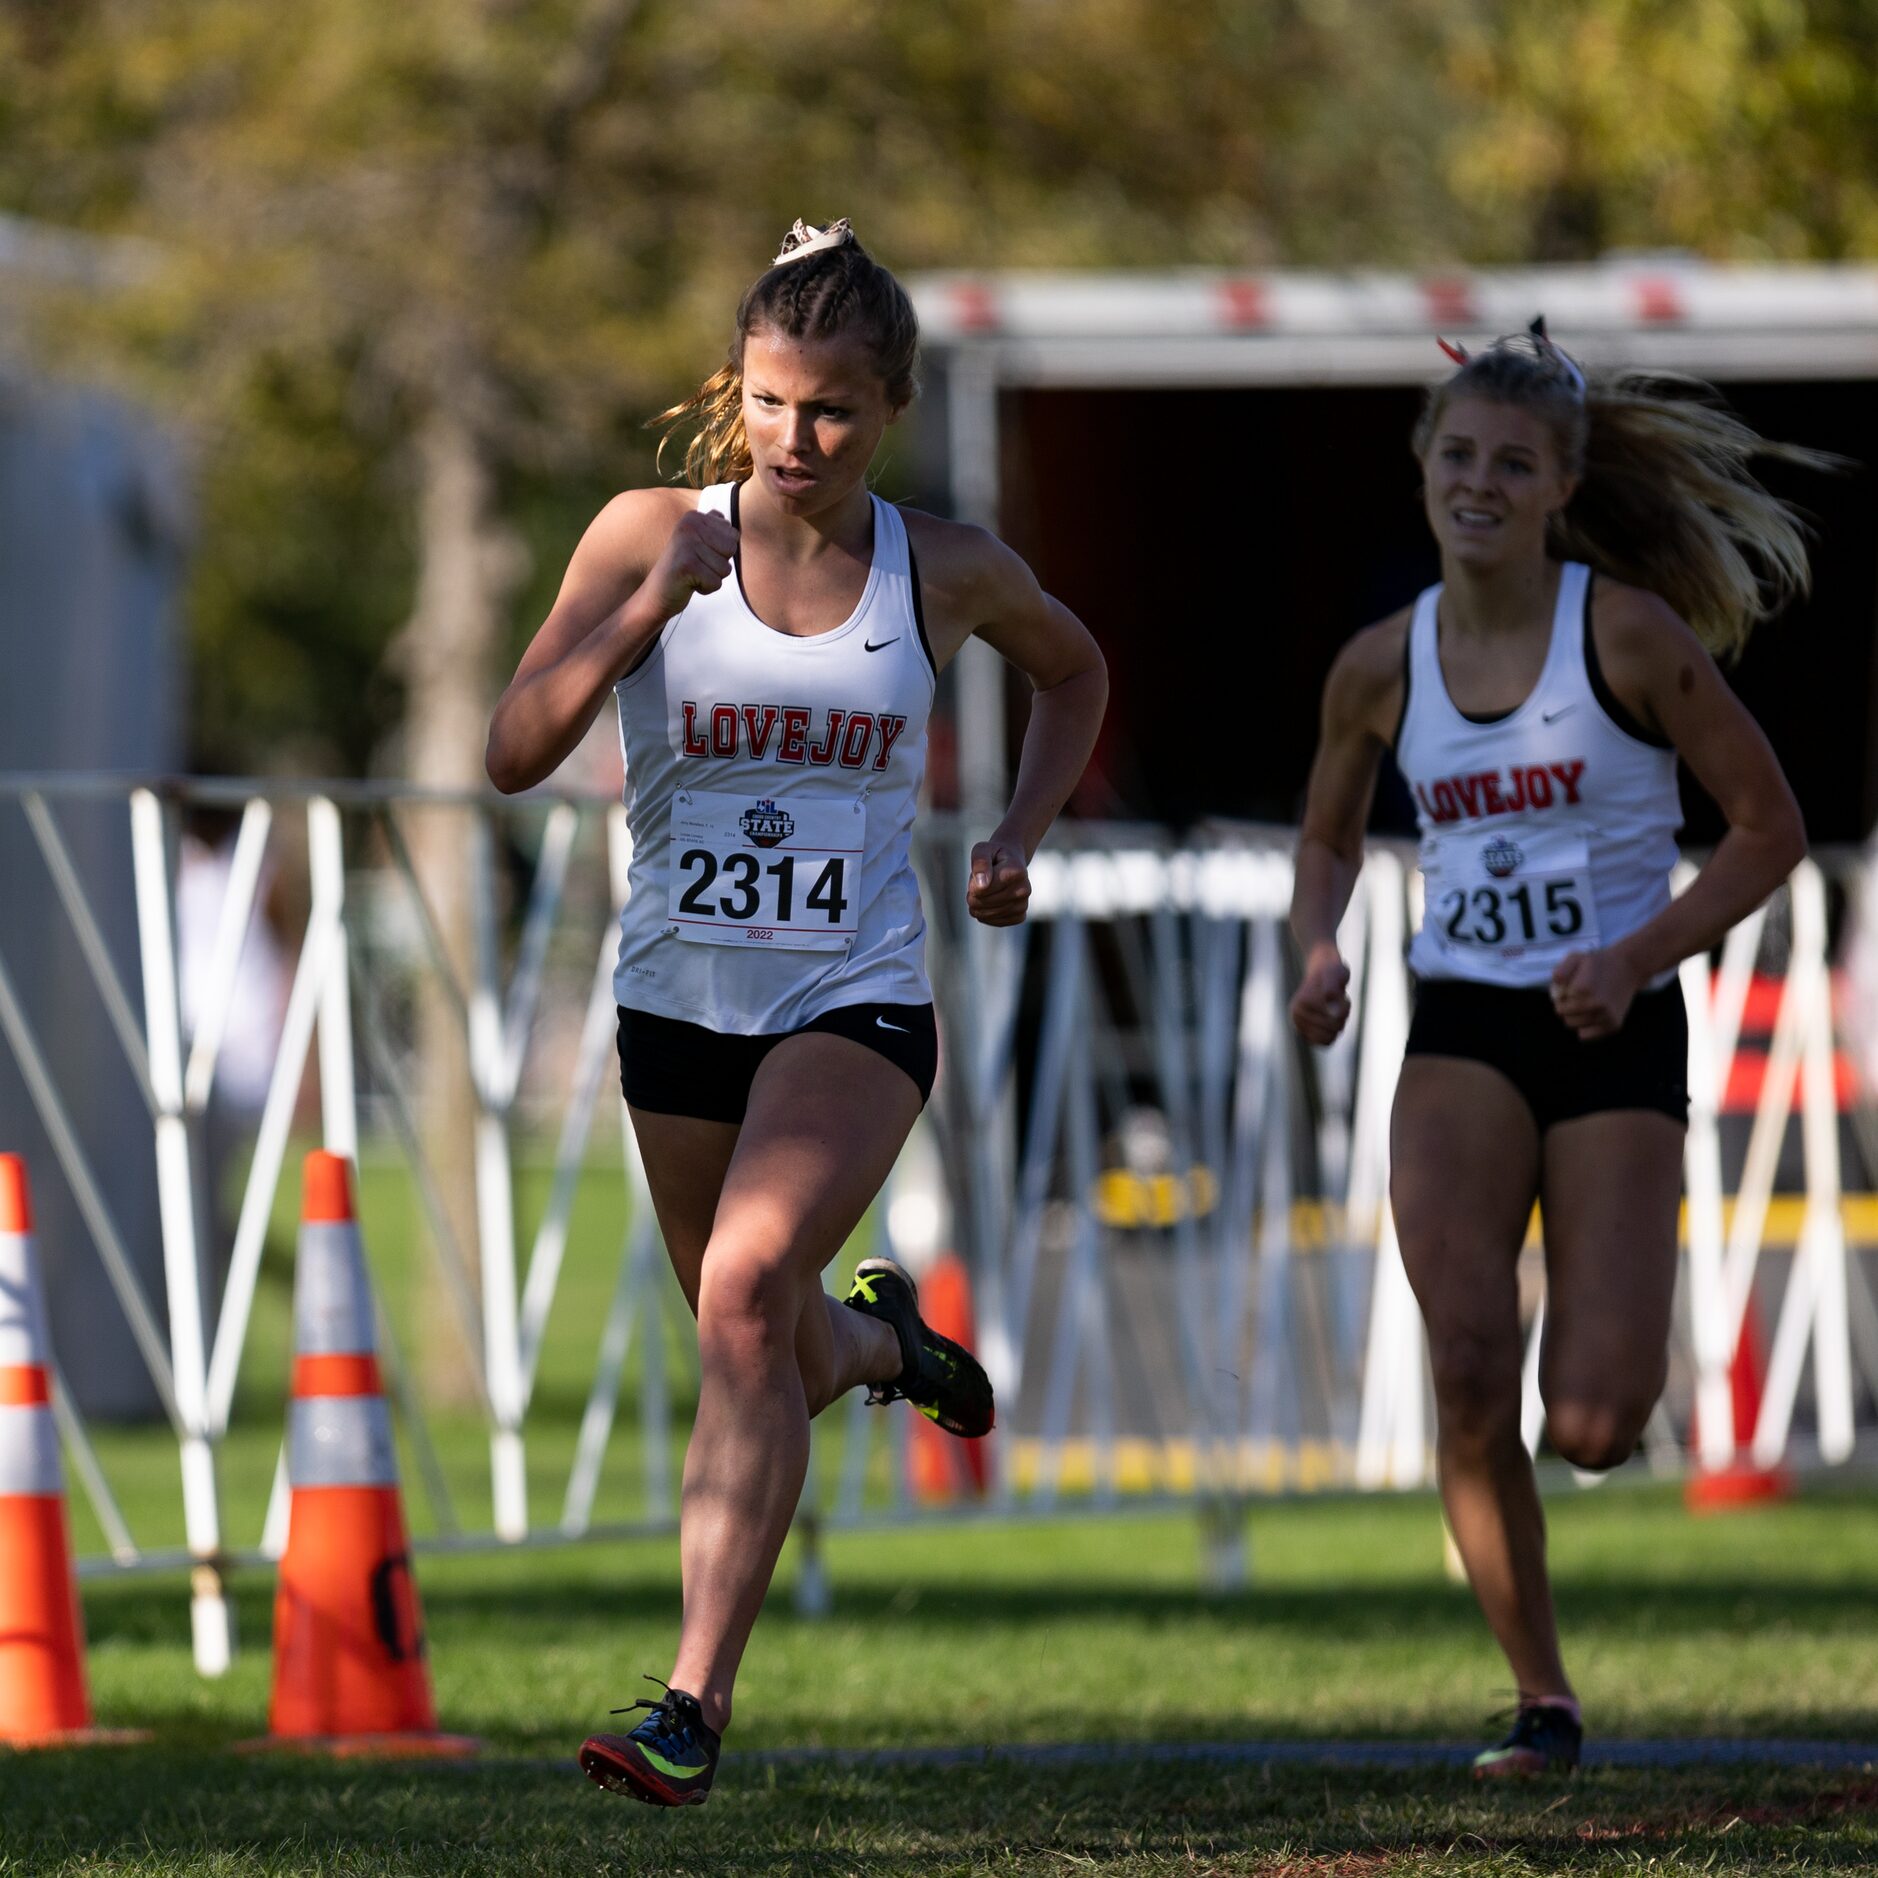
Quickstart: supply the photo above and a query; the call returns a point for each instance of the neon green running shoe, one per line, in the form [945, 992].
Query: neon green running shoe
[670, 1759]
[1546, 1739]
[942, 1379]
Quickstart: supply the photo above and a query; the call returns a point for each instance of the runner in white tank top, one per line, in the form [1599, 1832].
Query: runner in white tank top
[772, 640]
[770, 786]
[1546, 830]
[1536, 714]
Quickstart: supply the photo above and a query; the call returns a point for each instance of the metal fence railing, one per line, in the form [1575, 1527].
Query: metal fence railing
[1174, 1218]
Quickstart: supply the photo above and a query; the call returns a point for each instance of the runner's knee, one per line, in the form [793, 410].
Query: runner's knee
[1595, 1434]
[748, 1304]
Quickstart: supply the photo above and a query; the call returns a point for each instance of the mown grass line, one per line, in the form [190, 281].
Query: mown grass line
[177, 1819]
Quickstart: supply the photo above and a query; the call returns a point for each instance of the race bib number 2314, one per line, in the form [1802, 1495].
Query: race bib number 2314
[765, 871]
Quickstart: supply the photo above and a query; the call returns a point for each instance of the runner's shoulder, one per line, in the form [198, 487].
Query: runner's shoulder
[632, 531]
[961, 561]
[1364, 690]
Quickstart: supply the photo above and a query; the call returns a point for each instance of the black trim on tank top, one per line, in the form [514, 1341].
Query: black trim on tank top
[1408, 683]
[1487, 717]
[919, 607]
[736, 560]
[1608, 700]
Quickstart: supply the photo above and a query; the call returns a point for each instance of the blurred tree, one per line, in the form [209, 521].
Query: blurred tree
[1737, 129]
[420, 262]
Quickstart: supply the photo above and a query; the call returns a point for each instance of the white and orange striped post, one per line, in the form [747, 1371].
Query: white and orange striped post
[349, 1668]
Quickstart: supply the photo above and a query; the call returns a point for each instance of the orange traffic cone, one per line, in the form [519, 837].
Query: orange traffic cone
[1742, 1482]
[42, 1636]
[349, 1669]
[42, 1639]
[942, 1466]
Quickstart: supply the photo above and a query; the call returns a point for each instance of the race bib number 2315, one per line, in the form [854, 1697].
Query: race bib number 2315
[1531, 894]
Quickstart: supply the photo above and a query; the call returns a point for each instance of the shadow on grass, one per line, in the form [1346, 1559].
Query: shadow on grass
[549, 1604]
[174, 1816]
[525, 1662]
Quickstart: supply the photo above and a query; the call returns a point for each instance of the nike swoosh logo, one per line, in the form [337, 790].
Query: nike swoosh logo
[677, 1770]
[867, 645]
[901, 1028]
[1552, 717]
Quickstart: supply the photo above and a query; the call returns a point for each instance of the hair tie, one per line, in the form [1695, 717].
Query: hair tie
[806, 238]
[1457, 353]
[1547, 344]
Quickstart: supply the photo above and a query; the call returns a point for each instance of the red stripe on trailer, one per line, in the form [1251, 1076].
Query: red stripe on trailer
[336, 1375]
[974, 306]
[23, 1385]
[1660, 301]
[1449, 299]
[1244, 303]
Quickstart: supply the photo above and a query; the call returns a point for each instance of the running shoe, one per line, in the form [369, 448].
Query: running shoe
[942, 1379]
[668, 1760]
[1546, 1739]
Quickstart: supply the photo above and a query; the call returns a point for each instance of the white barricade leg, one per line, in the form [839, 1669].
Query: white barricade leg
[1814, 1310]
[211, 1616]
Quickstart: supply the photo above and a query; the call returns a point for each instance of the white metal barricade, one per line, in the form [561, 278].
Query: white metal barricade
[1175, 1218]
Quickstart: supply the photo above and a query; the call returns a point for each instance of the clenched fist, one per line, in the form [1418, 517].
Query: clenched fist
[1592, 992]
[998, 890]
[1320, 1007]
[696, 560]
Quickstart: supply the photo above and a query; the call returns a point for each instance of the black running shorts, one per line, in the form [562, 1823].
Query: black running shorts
[1516, 1031]
[674, 1068]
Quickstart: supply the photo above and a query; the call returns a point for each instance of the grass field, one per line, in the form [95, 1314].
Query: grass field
[1761, 1624]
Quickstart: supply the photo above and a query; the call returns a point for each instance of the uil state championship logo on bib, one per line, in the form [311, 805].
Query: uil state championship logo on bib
[1501, 857]
[766, 825]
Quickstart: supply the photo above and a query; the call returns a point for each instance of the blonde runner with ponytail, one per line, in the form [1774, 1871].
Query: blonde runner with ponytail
[1601, 539]
[1667, 499]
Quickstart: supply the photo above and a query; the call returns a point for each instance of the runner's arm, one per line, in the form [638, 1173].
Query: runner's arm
[1361, 695]
[1655, 659]
[977, 587]
[639, 562]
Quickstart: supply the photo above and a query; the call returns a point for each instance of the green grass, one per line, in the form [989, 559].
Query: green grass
[285, 1817]
[1763, 1623]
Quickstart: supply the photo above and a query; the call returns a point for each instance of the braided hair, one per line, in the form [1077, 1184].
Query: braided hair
[822, 282]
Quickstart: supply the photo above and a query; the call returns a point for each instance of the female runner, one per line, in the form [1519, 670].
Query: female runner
[772, 638]
[1537, 701]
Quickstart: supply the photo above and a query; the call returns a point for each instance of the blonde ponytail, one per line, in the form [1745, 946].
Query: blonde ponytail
[1666, 499]
[718, 451]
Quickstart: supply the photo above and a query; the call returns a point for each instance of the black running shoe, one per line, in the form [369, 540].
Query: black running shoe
[668, 1760]
[1546, 1739]
[942, 1379]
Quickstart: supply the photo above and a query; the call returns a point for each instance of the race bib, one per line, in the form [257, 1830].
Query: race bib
[1513, 894]
[766, 871]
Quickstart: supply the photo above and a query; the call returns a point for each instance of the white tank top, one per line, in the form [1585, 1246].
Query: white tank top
[770, 789]
[1547, 831]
